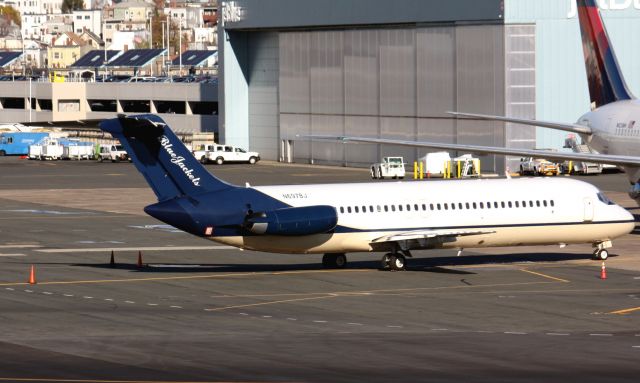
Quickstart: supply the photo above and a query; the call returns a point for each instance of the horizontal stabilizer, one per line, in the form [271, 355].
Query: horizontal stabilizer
[575, 128]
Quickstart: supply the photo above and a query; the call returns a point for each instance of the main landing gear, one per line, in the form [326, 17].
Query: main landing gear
[334, 261]
[395, 261]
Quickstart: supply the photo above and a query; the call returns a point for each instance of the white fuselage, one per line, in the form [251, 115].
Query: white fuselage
[616, 131]
[510, 212]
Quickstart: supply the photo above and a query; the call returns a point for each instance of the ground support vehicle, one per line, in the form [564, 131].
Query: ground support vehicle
[435, 164]
[17, 143]
[538, 166]
[390, 167]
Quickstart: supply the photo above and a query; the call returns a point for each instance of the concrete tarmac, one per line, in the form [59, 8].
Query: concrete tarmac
[202, 312]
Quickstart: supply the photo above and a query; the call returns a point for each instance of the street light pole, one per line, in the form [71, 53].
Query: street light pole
[180, 43]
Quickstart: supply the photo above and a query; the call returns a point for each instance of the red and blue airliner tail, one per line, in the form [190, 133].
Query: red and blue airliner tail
[606, 83]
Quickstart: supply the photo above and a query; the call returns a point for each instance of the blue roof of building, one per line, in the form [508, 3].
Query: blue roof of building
[193, 58]
[136, 58]
[94, 59]
[7, 58]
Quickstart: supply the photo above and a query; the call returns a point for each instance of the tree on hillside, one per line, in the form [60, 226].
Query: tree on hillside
[71, 5]
[11, 13]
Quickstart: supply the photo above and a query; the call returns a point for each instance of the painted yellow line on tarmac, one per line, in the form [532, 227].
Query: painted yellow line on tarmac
[545, 276]
[270, 303]
[625, 311]
[209, 276]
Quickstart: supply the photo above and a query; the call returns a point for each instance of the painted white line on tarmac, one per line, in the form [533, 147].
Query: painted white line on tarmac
[267, 316]
[130, 302]
[9, 288]
[635, 346]
[68, 295]
[19, 246]
[176, 307]
[355, 324]
[28, 291]
[152, 304]
[87, 297]
[557, 334]
[108, 299]
[319, 321]
[439, 329]
[107, 249]
[292, 319]
[245, 314]
[394, 326]
[600, 334]
[515, 333]
[47, 293]
[13, 255]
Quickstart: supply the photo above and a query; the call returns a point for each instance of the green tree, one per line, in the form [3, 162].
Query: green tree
[11, 13]
[71, 5]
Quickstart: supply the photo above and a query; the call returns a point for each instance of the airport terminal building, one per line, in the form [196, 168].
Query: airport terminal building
[392, 69]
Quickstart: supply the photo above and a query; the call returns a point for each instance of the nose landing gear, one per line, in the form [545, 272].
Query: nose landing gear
[601, 253]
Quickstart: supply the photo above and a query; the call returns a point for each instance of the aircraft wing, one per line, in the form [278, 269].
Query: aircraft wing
[557, 156]
[575, 128]
[429, 234]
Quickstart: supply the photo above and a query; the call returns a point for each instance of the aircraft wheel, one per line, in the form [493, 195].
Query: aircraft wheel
[603, 255]
[397, 262]
[386, 261]
[334, 261]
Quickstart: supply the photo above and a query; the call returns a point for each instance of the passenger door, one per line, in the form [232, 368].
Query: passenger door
[588, 210]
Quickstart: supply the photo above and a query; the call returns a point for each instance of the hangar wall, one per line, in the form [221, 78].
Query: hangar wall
[390, 82]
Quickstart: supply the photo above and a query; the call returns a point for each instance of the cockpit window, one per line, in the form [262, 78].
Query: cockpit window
[604, 199]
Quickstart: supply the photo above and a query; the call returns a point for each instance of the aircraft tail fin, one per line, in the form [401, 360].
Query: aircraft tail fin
[169, 168]
[606, 83]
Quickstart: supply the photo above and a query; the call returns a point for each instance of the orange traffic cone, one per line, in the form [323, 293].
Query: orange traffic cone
[112, 261]
[139, 259]
[32, 276]
[603, 272]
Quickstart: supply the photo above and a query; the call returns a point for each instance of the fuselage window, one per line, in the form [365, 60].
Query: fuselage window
[544, 203]
[538, 203]
[453, 206]
[370, 209]
[386, 208]
[424, 207]
[364, 209]
[495, 205]
[416, 207]
[408, 207]
[446, 206]
[530, 203]
[460, 205]
[475, 206]
[430, 206]
[357, 210]
[552, 203]
[341, 209]
[509, 204]
[502, 204]
[349, 209]
[393, 207]
[467, 205]
[517, 203]
[524, 203]
[488, 205]
[481, 205]
[439, 207]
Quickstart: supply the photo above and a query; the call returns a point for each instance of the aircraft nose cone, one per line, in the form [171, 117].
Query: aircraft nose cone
[173, 213]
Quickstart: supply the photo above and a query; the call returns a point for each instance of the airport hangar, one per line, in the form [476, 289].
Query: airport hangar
[392, 69]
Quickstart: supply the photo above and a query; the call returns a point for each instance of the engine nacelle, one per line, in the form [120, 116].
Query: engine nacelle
[294, 221]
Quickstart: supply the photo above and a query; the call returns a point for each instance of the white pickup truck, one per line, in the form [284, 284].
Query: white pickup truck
[390, 167]
[219, 154]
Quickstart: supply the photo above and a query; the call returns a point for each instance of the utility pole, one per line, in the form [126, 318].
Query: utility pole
[180, 43]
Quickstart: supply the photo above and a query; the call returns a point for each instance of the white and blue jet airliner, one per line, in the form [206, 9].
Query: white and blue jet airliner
[392, 218]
